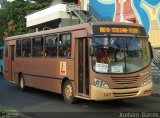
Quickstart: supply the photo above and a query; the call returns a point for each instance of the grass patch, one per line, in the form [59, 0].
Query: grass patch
[4, 113]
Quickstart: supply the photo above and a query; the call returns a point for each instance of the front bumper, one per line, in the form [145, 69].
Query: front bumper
[99, 94]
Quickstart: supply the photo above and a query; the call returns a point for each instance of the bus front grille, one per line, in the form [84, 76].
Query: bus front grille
[126, 94]
[125, 80]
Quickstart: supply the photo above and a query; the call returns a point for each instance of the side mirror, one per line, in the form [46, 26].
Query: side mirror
[151, 52]
[91, 50]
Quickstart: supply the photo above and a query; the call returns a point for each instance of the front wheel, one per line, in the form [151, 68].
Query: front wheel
[68, 93]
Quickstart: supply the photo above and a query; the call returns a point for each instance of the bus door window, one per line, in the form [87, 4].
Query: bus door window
[26, 47]
[37, 47]
[50, 48]
[65, 45]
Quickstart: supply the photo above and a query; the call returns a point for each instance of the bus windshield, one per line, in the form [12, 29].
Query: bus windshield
[120, 54]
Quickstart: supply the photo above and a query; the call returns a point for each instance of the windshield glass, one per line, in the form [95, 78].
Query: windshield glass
[120, 54]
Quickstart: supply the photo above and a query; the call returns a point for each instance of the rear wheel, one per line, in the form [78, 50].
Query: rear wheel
[22, 83]
[68, 92]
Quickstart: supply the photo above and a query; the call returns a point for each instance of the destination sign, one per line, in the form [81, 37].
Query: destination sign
[118, 30]
[101, 29]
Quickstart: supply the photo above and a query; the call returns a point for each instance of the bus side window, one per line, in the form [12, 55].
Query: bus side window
[37, 47]
[50, 48]
[26, 47]
[18, 48]
[65, 45]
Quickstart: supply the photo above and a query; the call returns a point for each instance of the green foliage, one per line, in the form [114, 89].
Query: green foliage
[12, 16]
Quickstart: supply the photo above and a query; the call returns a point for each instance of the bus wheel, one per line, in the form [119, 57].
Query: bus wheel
[22, 84]
[68, 93]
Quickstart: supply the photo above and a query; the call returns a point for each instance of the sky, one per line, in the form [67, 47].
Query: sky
[10, 0]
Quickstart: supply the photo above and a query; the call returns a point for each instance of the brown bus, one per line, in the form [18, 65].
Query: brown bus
[93, 61]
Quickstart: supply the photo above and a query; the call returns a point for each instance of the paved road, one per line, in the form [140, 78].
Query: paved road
[36, 103]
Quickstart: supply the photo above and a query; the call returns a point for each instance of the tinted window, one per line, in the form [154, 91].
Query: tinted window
[37, 47]
[26, 48]
[65, 45]
[51, 46]
[18, 48]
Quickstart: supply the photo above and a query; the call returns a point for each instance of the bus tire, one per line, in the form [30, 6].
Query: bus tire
[68, 93]
[22, 83]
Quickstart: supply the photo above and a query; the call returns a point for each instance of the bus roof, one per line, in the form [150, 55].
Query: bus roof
[71, 28]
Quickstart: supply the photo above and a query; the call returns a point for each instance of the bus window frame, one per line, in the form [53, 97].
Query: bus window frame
[61, 34]
[123, 35]
[44, 45]
[16, 48]
[40, 36]
[26, 38]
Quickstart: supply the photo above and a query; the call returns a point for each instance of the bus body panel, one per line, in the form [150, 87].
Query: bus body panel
[48, 73]
[100, 94]
[118, 90]
[43, 73]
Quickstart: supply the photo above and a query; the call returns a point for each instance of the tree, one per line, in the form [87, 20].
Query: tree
[12, 26]
[12, 16]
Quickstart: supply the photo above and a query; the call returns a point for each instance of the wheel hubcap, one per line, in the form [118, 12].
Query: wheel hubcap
[68, 91]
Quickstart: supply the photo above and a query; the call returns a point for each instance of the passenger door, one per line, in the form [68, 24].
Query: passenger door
[82, 68]
[11, 62]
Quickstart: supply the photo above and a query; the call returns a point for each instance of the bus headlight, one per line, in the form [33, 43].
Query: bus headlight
[146, 81]
[100, 83]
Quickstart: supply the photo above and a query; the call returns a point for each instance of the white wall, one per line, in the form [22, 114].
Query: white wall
[48, 14]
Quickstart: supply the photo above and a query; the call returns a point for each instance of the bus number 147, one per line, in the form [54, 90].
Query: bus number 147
[107, 94]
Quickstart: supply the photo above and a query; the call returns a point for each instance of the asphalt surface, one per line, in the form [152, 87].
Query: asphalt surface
[42, 104]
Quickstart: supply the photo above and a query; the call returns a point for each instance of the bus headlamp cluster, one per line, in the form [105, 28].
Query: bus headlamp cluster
[146, 81]
[101, 84]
